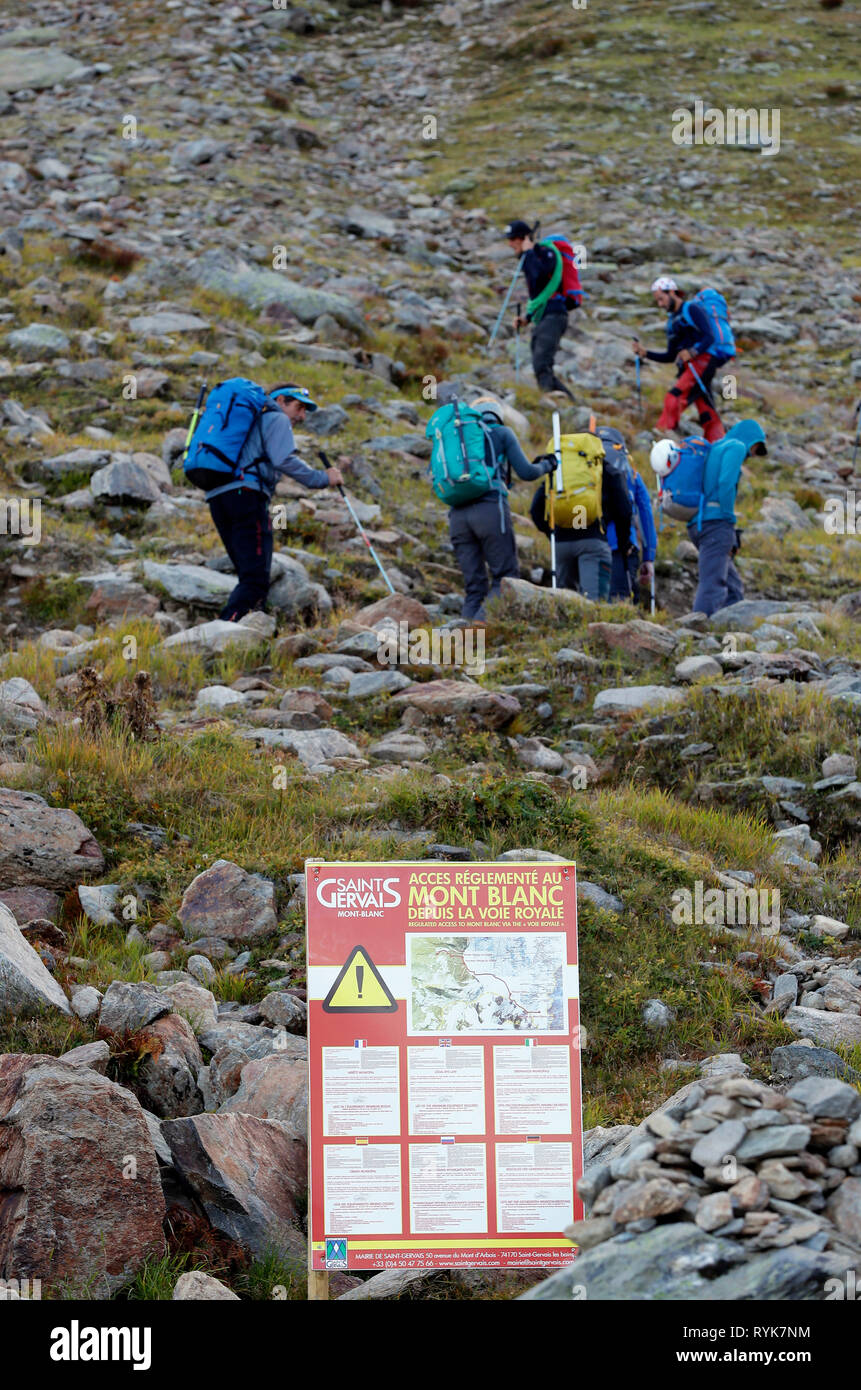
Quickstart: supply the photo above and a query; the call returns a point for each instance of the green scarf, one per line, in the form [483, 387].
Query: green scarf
[535, 308]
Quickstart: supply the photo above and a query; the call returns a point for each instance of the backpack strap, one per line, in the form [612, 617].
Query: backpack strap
[535, 307]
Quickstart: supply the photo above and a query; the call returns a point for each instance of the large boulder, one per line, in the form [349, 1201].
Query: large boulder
[227, 902]
[26, 985]
[191, 583]
[293, 593]
[274, 1088]
[124, 482]
[167, 1075]
[313, 747]
[525, 600]
[129, 1005]
[248, 1174]
[43, 846]
[824, 1027]
[35, 68]
[197, 1287]
[637, 637]
[461, 699]
[226, 274]
[745, 615]
[38, 340]
[80, 1195]
[213, 638]
[398, 607]
[20, 705]
[637, 697]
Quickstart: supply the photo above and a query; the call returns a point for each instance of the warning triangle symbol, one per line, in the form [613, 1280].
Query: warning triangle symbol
[359, 988]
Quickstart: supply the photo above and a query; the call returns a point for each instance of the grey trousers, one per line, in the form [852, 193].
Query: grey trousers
[544, 343]
[719, 580]
[585, 565]
[482, 537]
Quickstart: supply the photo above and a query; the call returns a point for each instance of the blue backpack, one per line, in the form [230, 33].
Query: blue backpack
[459, 471]
[232, 410]
[717, 312]
[681, 494]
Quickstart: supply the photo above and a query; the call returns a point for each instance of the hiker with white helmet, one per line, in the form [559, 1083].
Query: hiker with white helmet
[698, 483]
[699, 340]
[472, 455]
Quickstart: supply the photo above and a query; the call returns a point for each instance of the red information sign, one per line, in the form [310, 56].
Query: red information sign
[444, 1044]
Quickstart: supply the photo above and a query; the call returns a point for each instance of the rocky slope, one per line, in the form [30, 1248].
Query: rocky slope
[317, 193]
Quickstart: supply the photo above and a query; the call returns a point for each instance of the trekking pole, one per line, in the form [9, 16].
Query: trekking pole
[652, 595]
[639, 387]
[194, 419]
[359, 527]
[501, 314]
[701, 384]
[517, 343]
[857, 435]
[556, 487]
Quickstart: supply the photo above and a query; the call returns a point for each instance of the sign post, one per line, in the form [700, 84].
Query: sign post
[445, 1117]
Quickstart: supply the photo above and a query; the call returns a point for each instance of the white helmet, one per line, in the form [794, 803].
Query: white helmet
[663, 456]
[664, 282]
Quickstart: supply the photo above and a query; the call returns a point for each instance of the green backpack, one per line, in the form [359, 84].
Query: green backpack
[458, 468]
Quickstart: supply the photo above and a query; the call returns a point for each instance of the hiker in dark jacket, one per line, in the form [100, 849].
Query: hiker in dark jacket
[690, 346]
[481, 531]
[240, 510]
[583, 555]
[539, 265]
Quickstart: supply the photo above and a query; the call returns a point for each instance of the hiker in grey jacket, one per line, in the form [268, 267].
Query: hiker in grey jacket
[481, 531]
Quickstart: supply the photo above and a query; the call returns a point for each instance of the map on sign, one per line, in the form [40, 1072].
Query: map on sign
[509, 982]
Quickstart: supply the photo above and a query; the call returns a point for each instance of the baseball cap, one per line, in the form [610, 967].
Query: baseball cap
[295, 393]
[516, 230]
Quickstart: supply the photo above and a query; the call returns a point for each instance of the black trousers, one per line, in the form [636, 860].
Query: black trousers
[244, 523]
[544, 343]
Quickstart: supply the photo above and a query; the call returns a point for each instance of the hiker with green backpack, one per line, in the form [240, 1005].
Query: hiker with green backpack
[472, 455]
[237, 449]
[552, 277]
[574, 506]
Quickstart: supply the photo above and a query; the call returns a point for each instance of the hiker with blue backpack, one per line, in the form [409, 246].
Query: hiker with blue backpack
[638, 566]
[472, 455]
[236, 452]
[698, 482]
[699, 340]
[553, 281]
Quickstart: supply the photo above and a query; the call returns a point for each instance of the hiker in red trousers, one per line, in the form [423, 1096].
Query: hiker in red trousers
[699, 340]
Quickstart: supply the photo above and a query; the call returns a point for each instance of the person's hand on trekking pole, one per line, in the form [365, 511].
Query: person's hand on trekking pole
[520, 322]
[647, 571]
[335, 477]
[638, 349]
[684, 356]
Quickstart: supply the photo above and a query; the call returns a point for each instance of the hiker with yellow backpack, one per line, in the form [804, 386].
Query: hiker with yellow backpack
[574, 505]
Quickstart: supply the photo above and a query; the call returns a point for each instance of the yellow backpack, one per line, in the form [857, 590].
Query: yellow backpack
[578, 503]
